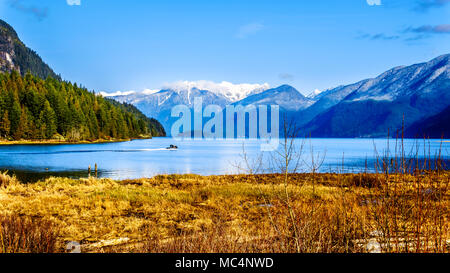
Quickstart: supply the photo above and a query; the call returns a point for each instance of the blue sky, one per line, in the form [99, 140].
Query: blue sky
[136, 45]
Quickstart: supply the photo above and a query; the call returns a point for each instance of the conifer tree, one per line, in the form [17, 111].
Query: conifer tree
[5, 124]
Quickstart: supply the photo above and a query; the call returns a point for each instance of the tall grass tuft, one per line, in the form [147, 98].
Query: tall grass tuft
[6, 180]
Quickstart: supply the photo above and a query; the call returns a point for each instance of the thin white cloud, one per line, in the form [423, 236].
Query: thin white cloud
[439, 29]
[73, 2]
[286, 76]
[38, 11]
[250, 29]
[118, 93]
[425, 5]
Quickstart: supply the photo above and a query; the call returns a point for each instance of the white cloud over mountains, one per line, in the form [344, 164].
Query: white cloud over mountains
[126, 93]
[118, 93]
[150, 91]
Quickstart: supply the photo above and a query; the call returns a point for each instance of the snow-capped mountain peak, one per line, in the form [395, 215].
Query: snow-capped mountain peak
[232, 92]
[286, 96]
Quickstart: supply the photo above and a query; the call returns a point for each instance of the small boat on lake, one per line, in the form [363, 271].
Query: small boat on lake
[172, 147]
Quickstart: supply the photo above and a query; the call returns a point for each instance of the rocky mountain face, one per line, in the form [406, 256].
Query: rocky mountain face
[7, 36]
[14, 55]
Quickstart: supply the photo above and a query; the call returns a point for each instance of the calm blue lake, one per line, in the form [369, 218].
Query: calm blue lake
[146, 158]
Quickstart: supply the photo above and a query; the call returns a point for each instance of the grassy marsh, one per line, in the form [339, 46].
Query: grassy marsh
[239, 213]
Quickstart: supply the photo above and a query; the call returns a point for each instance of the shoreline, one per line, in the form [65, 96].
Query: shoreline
[58, 142]
[100, 141]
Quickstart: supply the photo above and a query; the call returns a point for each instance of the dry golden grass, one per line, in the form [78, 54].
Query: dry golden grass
[241, 213]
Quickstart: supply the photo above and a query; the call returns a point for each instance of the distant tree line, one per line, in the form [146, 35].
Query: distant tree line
[32, 108]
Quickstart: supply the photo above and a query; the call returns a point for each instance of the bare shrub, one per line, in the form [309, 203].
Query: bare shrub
[27, 235]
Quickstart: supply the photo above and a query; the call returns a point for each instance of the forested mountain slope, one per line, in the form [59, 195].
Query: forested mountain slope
[32, 108]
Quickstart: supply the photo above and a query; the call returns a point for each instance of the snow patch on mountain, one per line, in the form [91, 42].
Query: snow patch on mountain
[386, 97]
[437, 73]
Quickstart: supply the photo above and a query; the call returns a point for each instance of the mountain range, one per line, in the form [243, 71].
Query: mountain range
[416, 97]
[369, 108]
